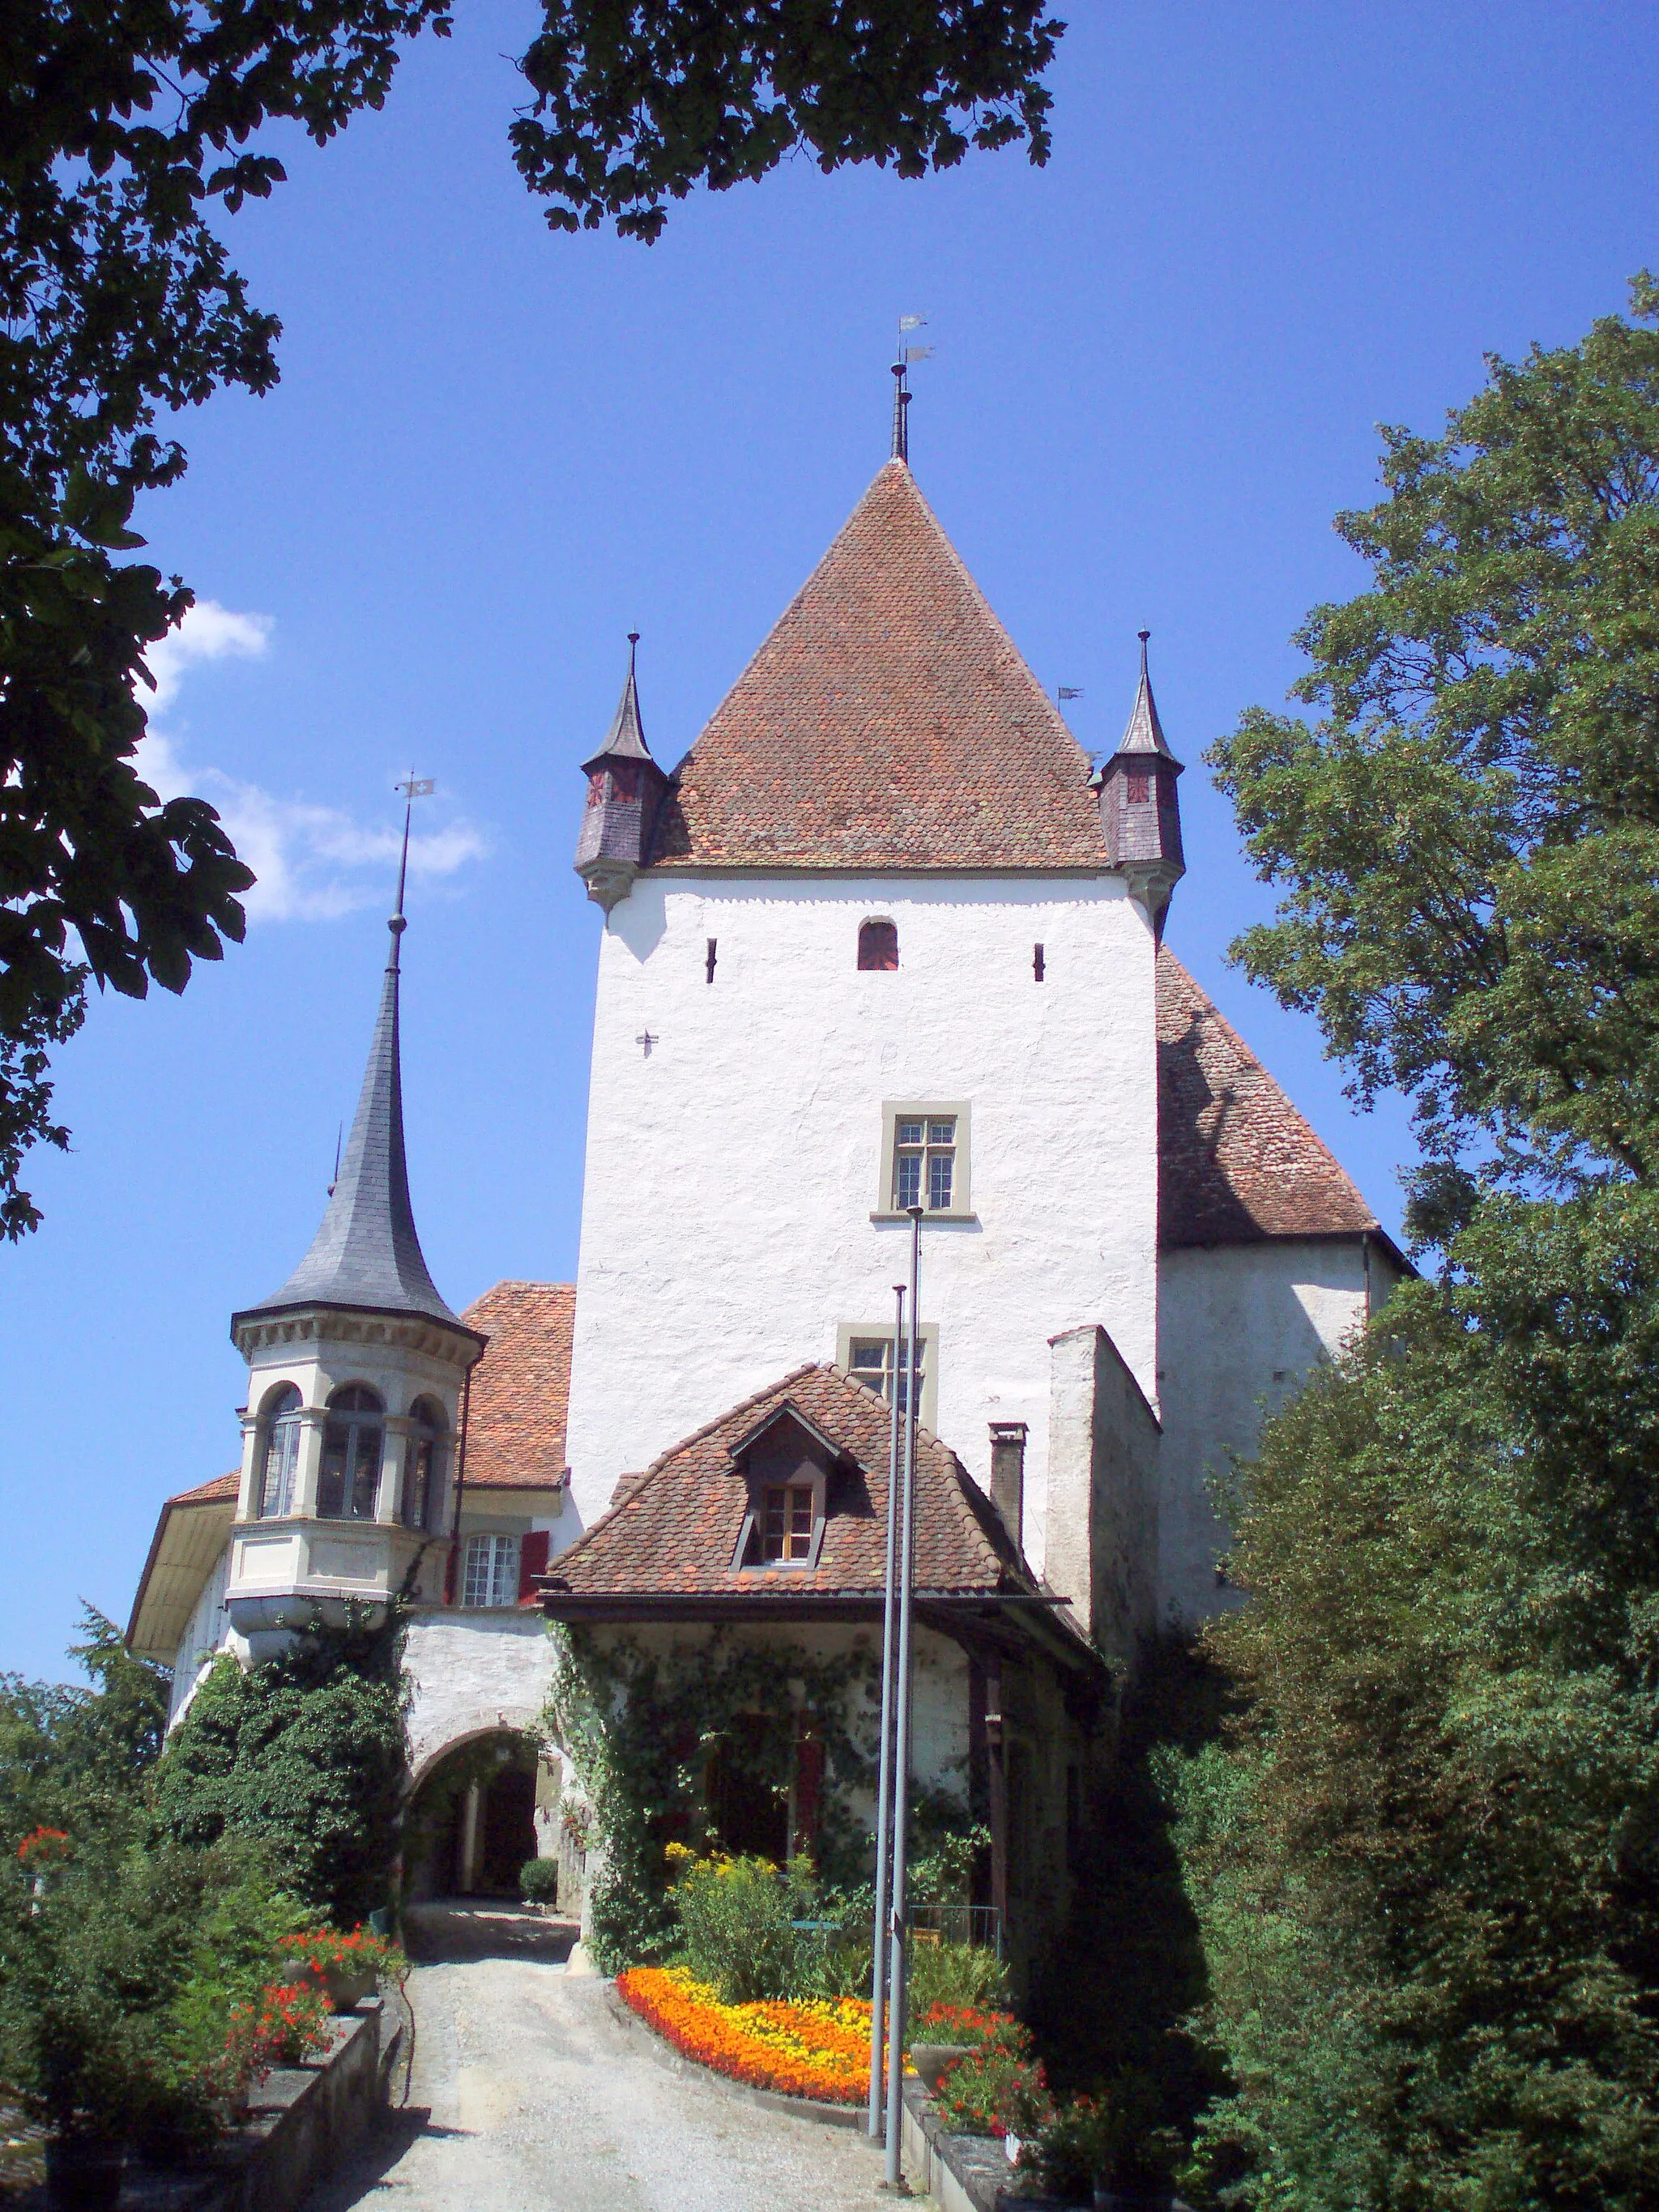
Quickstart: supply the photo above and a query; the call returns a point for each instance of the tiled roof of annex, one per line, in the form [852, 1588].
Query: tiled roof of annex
[888, 721]
[521, 1387]
[209, 1493]
[1237, 1161]
[673, 1531]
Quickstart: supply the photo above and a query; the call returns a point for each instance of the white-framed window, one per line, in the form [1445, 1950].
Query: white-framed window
[785, 1521]
[492, 1570]
[281, 1470]
[925, 1158]
[865, 1350]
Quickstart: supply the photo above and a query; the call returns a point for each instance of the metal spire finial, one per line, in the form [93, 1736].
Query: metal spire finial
[413, 787]
[905, 356]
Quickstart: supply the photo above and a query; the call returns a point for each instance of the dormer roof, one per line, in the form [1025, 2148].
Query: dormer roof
[673, 1531]
[888, 722]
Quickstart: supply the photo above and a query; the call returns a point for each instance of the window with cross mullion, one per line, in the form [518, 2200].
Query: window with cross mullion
[924, 1162]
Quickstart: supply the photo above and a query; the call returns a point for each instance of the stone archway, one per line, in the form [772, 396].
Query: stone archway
[470, 1824]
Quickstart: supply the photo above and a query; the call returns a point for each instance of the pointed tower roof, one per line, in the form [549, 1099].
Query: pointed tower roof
[367, 1255]
[1145, 733]
[887, 722]
[625, 739]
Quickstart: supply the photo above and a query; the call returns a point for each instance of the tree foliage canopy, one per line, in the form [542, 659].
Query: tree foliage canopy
[129, 129]
[1469, 837]
[1427, 1859]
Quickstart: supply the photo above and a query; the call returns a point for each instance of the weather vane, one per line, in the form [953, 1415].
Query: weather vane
[902, 359]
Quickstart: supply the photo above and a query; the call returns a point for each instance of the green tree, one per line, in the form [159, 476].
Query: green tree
[130, 126]
[1426, 1861]
[77, 1758]
[1469, 836]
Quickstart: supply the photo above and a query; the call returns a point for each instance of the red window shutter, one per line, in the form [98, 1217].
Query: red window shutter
[532, 1562]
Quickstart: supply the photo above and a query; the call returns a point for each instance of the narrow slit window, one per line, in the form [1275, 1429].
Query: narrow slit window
[1037, 963]
[708, 969]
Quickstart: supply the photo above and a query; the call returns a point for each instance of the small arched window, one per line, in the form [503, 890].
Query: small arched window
[877, 945]
[424, 1465]
[352, 1445]
[282, 1459]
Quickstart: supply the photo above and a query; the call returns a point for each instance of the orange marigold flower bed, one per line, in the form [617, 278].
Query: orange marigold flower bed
[817, 2049]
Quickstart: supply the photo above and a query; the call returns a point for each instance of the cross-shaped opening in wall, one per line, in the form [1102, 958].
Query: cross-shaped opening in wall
[647, 1040]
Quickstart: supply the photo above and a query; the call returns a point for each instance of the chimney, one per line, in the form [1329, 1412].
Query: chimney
[1008, 1475]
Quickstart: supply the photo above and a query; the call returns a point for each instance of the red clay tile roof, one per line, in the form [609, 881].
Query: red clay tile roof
[1236, 1162]
[673, 1531]
[521, 1387]
[887, 722]
[223, 1485]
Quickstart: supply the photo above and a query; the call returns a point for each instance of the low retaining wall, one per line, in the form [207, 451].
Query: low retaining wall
[303, 2120]
[961, 2173]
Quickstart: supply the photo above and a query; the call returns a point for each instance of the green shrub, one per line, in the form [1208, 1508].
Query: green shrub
[954, 1974]
[306, 1755]
[735, 1917]
[538, 1881]
[998, 2089]
[1113, 2141]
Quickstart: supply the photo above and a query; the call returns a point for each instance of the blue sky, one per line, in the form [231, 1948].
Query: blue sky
[494, 451]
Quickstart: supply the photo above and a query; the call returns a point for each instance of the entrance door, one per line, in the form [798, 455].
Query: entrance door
[507, 1828]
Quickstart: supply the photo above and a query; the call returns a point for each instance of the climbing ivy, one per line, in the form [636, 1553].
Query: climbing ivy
[640, 1726]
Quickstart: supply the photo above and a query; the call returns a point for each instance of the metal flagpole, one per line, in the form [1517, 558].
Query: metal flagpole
[896, 1976]
[879, 1945]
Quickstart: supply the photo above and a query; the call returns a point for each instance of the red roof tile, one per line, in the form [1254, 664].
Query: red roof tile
[1236, 1162]
[206, 1494]
[521, 1387]
[673, 1531]
[888, 721]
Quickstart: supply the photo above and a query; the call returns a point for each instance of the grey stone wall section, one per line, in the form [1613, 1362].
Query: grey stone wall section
[1103, 1442]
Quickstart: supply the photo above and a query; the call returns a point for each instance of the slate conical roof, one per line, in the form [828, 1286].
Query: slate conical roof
[1145, 733]
[625, 739]
[887, 722]
[367, 1255]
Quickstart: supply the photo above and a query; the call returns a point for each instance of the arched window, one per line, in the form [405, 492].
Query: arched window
[424, 1465]
[352, 1443]
[877, 945]
[282, 1464]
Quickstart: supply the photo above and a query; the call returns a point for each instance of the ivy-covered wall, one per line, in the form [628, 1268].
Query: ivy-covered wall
[641, 1715]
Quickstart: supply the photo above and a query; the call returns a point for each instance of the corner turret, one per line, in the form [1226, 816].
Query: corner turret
[1140, 809]
[356, 1385]
[624, 790]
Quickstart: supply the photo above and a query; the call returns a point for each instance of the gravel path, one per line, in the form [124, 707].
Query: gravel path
[529, 2094]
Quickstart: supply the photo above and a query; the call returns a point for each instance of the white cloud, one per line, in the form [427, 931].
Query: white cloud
[312, 862]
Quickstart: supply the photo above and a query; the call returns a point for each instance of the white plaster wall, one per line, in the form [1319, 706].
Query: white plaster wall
[207, 1633]
[732, 1172]
[1238, 1325]
[473, 1672]
[1103, 1460]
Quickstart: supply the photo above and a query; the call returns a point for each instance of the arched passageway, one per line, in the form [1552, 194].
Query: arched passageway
[471, 1822]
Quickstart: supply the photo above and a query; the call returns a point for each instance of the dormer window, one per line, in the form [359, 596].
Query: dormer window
[877, 945]
[788, 1465]
[786, 1521]
[281, 1466]
[353, 1442]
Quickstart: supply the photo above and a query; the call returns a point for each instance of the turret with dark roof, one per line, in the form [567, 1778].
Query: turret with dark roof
[366, 1257]
[624, 791]
[1139, 810]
